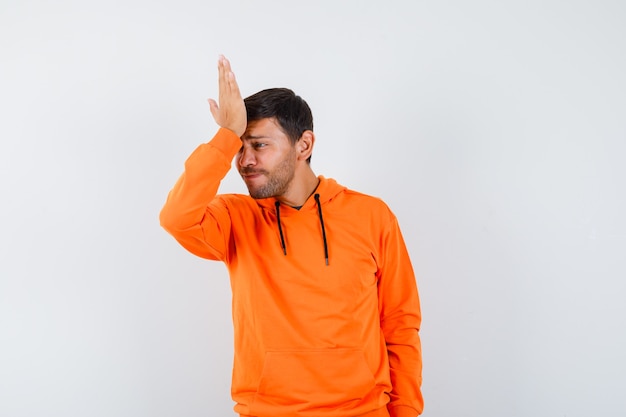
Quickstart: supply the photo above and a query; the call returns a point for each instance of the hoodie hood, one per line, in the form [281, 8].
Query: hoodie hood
[327, 189]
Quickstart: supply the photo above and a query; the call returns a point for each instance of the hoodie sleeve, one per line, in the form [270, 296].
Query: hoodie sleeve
[400, 318]
[192, 214]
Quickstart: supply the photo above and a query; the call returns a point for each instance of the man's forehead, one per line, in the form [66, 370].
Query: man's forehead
[263, 128]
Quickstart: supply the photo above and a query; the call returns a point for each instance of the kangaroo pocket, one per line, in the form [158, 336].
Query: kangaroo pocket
[306, 382]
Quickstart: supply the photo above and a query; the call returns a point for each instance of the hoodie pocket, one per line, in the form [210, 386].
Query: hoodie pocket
[312, 380]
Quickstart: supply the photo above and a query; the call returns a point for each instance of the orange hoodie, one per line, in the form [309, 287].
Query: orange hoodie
[325, 306]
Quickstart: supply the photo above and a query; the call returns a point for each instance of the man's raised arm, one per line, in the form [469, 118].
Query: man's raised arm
[191, 214]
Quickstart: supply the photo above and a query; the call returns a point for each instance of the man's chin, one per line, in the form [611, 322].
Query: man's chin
[256, 194]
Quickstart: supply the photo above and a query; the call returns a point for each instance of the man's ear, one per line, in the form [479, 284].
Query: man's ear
[304, 146]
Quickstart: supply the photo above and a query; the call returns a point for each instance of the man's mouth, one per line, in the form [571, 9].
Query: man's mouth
[251, 174]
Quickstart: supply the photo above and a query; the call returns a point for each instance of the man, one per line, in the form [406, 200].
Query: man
[325, 306]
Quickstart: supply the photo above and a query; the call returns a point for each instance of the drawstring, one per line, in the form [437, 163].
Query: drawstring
[319, 211]
[280, 228]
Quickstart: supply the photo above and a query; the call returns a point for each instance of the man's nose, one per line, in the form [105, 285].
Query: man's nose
[246, 158]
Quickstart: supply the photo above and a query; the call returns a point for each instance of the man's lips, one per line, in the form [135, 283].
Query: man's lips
[251, 174]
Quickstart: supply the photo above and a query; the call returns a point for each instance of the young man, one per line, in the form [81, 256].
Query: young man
[325, 306]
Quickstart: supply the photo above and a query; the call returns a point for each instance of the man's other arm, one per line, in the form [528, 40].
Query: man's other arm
[400, 318]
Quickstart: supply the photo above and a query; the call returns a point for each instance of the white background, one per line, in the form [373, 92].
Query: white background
[496, 131]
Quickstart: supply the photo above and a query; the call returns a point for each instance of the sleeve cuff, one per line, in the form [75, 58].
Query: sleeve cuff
[227, 142]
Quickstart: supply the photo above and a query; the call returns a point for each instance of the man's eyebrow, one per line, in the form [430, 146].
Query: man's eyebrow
[253, 137]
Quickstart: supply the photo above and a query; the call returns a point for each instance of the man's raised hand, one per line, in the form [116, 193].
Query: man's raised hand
[230, 113]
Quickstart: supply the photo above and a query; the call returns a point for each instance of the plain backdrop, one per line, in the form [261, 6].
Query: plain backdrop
[495, 130]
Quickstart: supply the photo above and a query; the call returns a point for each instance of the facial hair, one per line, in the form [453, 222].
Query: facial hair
[278, 180]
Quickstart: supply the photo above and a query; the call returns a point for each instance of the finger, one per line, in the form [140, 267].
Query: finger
[222, 83]
[232, 83]
[233, 87]
[227, 73]
[214, 109]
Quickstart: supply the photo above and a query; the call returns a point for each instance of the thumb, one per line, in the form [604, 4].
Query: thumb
[214, 108]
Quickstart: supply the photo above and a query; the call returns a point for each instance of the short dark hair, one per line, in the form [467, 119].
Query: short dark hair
[290, 110]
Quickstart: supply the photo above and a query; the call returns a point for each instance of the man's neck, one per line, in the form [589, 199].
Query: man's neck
[300, 189]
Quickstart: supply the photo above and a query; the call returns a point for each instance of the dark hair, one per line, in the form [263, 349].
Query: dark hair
[290, 111]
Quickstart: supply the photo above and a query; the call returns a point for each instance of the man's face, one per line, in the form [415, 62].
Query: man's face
[267, 159]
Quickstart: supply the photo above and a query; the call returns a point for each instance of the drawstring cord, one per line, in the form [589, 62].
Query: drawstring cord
[319, 211]
[280, 228]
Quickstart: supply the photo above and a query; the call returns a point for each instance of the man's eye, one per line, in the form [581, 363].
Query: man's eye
[258, 145]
